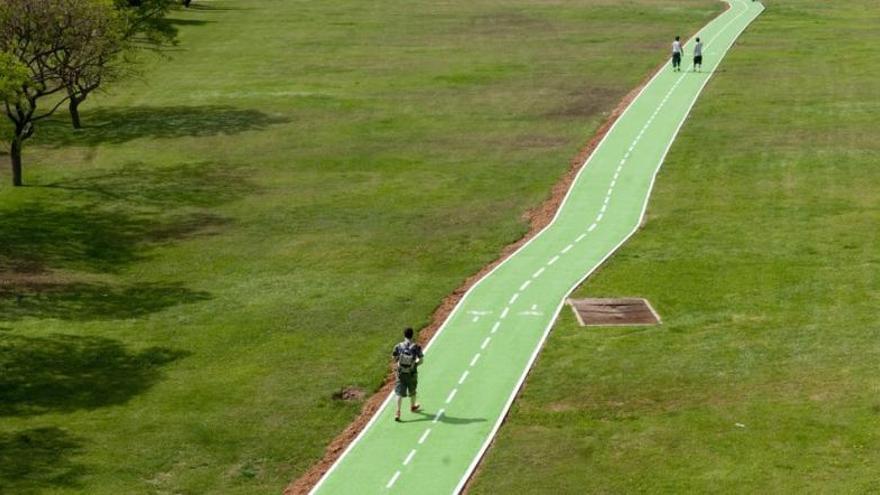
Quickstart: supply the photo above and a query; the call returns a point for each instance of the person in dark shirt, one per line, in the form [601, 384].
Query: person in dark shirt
[408, 356]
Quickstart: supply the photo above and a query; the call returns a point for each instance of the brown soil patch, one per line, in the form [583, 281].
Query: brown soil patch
[618, 311]
[39, 280]
[15, 280]
[11, 268]
[560, 407]
[352, 394]
[536, 141]
[506, 23]
[585, 105]
[195, 225]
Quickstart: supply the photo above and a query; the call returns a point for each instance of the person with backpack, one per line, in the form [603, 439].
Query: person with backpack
[408, 356]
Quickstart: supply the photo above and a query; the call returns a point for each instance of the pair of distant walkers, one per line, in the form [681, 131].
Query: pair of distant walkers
[678, 53]
[408, 356]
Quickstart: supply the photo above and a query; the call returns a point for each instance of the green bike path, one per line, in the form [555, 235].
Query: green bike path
[479, 358]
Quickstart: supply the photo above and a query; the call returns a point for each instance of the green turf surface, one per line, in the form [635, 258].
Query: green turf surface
[244, 232]
[760, 253]
[477, 362]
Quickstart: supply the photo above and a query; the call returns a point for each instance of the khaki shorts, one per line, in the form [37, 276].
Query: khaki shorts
[406, 384]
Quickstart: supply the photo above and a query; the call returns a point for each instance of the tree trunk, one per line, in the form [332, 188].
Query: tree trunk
[15, 156]
[74, 112]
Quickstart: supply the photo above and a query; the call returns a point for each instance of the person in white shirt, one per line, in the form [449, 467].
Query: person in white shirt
[698, 55]
[676, 54]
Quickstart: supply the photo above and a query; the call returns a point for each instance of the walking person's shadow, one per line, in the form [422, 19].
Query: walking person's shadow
[444, 418]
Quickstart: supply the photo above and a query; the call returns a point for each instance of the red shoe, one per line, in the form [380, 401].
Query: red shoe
[415, 407]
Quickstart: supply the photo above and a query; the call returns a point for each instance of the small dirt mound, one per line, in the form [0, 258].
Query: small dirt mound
[350, 394]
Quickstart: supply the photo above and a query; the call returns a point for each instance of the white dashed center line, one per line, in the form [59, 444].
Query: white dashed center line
[475, 359]
[540, 271]
[424, 436]
[393, 479]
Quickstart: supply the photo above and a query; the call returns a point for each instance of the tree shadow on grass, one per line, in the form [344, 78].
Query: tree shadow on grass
[90, 302]
[116, 125]
[39, 237]
[188, 22]
[64, 373]
[35, 459]
[196, 5]
[201, 184]
[117, 215]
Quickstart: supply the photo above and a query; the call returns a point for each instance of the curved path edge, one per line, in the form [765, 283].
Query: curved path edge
[539, 218]
[520, 333]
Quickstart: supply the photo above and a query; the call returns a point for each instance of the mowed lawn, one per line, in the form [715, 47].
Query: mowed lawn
[761, 255]
[186, 283]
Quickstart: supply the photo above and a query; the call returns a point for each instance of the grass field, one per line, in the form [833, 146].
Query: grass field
[186, 282]
[760, 253]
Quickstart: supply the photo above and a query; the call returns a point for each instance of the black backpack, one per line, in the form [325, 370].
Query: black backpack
[407, 357]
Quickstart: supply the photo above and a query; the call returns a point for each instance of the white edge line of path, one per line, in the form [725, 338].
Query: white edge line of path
[540, 345]
[464, 298]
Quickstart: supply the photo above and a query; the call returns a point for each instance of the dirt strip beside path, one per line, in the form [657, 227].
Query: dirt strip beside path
[538, 218]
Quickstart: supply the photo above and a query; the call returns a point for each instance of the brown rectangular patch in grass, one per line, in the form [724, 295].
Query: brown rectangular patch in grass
[614, 311]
